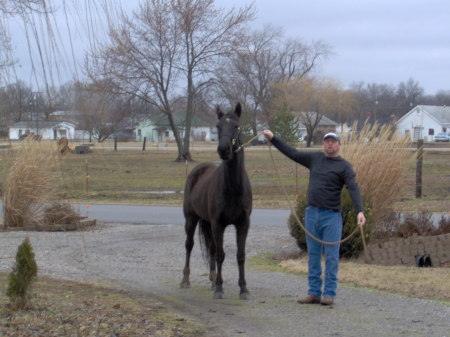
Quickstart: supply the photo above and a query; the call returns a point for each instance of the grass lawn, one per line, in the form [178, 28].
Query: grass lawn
[153, 177]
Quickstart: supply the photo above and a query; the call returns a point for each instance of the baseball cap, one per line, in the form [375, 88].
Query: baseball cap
[331, 135]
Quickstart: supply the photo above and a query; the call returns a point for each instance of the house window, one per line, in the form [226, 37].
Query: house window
[444, 129]
[139, 132]
[63, 132]
[166, 134]
[431, 132]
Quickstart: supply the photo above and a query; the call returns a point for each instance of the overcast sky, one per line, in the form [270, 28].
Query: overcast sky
[380, 41]
[374, 41]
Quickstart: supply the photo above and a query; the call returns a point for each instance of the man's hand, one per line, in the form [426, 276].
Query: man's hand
[268, 134]
[361, 219]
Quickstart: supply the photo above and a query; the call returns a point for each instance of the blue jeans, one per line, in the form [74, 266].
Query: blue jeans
[325, 225]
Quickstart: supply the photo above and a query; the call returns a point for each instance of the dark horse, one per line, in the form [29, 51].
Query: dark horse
[216, 196]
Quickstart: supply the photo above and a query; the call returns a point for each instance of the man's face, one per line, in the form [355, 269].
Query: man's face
[331, 147]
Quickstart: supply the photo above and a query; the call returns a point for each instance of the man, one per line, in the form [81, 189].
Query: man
[328, 174]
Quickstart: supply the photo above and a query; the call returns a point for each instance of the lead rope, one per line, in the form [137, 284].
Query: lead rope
[295, 213]
[248, 142]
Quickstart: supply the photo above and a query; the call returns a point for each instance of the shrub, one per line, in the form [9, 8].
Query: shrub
[23, 274]
[419, 223]
[60, 214]
[350, 248]
[396, 224]
[443, 226]
[29, 191]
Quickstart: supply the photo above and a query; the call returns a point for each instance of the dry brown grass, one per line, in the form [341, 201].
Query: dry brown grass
[380, 160]
[27, 185]
[66, 308]
[127, 175]
[427, 283]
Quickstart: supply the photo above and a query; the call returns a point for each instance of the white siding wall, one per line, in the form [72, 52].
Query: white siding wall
[421, 122]
[62, 130]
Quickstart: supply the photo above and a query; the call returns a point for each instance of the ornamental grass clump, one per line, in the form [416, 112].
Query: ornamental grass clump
[380, 159]
[23, 274]
[28, 186]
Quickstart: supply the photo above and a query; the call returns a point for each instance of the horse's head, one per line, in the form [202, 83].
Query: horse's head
[229, 132]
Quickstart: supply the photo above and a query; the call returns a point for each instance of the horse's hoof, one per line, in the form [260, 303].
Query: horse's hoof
[218, 296]
[185, 284]
[245, 296]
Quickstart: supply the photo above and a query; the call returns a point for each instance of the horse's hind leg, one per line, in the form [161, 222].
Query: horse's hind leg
[212, 265]
[191, 224]
[241, 238]
[211, 247]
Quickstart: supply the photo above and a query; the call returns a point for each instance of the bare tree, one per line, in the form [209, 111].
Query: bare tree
[169, 47]
[13, 7]
[101, 112]
[379, 102]
[9, 8]
[15, 102]
[408, 95]
[267, 59]
[310, 98]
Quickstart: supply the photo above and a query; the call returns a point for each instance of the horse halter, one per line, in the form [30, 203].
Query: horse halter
[235, 139]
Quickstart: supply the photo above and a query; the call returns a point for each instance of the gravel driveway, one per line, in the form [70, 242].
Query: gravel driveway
[148, 259]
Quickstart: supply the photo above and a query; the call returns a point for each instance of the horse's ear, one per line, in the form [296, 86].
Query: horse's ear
[219, 112]
[238, 110]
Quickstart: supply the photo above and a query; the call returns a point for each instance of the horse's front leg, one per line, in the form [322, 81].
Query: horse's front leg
[191, 224]
[220, 257]
[241, 238]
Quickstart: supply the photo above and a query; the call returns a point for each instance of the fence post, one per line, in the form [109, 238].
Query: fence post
[143, 145]
[419, 165]
[86, 179]
[115, 143]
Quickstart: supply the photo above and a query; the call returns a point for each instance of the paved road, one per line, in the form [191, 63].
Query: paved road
[165, 214]
[148, 259]
[161, 215]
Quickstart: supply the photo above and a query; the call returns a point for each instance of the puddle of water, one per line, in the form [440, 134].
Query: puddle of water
[262, 182]
[154, 192]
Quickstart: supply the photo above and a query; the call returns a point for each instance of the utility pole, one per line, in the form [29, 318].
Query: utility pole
[34, 110]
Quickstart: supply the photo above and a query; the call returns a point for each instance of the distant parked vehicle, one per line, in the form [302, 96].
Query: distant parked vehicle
[442, 137]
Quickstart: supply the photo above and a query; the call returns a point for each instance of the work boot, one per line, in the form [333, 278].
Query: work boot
[309, 299]
[327, 300]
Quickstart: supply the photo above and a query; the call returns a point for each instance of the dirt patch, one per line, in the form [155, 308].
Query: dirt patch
[66, 308]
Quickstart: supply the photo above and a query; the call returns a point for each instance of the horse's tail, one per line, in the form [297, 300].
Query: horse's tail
[206, 239]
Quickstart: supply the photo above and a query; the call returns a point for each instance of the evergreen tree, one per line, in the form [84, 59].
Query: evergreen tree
[286, 126]
[23, 274]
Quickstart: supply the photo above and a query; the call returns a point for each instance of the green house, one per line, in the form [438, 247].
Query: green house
[157, 129]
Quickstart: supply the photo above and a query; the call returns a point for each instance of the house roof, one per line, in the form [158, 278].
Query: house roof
[439, 113]
[324, 121]
[64, 113]
[161, 121]
[40, 124]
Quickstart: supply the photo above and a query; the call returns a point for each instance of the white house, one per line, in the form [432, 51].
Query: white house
[424, 122]
[47, 129]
